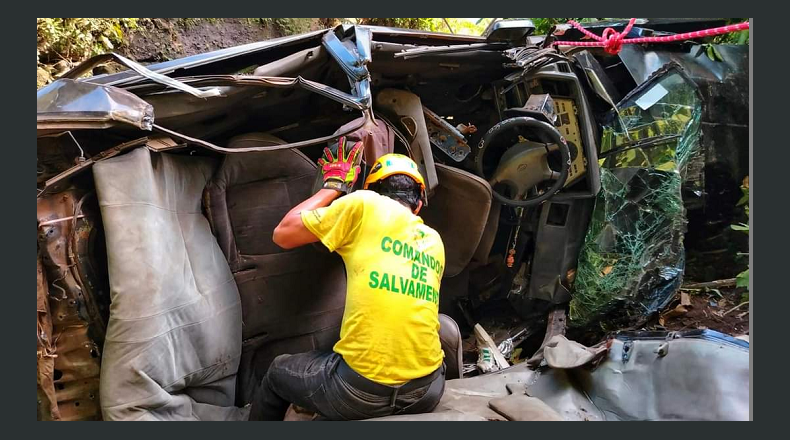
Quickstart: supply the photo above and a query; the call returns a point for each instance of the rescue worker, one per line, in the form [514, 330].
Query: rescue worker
[389, 359]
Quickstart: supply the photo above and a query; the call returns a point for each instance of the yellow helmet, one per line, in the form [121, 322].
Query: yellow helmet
[390, 164]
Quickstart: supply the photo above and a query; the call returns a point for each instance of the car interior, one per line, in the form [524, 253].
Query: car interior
[507, 157]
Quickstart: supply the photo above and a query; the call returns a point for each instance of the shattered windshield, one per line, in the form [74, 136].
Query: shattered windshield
[632, 260]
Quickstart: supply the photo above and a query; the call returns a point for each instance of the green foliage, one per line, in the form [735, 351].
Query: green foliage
[288, 26]
[742, 279]
[189, 22]
[460, 25]
[543, 25]
[744, 201]
[194, 21]
[740, 227]
[405, 23]
[741, 37]
[712, 52]
[446, 25]
[78, 38]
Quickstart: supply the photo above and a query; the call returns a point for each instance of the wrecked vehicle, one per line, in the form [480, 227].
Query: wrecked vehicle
[557, 176]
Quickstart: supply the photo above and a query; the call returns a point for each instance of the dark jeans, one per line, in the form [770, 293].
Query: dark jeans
[309, 380]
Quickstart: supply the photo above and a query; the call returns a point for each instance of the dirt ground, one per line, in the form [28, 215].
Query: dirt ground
[163, 39]
[167, 39]
[725, 310]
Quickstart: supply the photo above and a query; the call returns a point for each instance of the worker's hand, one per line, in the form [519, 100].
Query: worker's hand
[342, 171]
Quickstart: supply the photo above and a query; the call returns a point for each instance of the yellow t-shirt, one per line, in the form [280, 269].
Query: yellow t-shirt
[394, 264]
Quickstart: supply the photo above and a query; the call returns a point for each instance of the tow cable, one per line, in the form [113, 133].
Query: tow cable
[612, 41]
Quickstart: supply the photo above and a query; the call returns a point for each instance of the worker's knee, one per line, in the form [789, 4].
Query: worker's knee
[283, 363]
[280, 360]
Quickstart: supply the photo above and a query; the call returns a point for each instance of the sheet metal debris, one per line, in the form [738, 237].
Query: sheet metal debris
[71, 316]
[68, 104]
[353, 57]
[88, 64]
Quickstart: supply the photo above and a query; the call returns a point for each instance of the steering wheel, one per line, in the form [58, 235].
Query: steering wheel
[525, 164]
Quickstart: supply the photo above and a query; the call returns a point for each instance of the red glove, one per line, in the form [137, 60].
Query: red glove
[341, 172]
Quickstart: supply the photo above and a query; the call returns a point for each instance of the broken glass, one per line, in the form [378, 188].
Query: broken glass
[632, 260]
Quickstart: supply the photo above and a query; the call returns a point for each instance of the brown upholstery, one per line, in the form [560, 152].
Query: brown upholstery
[480, 258]
[292, 300]
[377, 136]
[450, 337]
[378, 139]
[459, 211]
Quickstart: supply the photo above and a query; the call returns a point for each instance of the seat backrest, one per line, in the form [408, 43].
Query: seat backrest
[459, 211]
[376, 135]
[452, 346]
[292, 300]
[173, 339]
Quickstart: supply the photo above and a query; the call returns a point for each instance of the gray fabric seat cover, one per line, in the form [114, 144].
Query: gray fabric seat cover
[292, 300]
[173, 341]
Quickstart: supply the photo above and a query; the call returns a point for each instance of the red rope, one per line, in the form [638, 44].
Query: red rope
[612, 41]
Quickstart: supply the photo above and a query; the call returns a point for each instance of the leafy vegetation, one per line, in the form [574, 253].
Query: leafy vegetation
[463, 26]
[742, 280]
[741, 37]
[188, 22]
[64, 41]
[288, 26]
[460, 25]
[75, 39]
[543, 25]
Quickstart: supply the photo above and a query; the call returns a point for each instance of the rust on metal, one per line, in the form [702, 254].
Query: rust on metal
[71, 323]
[45, 364]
